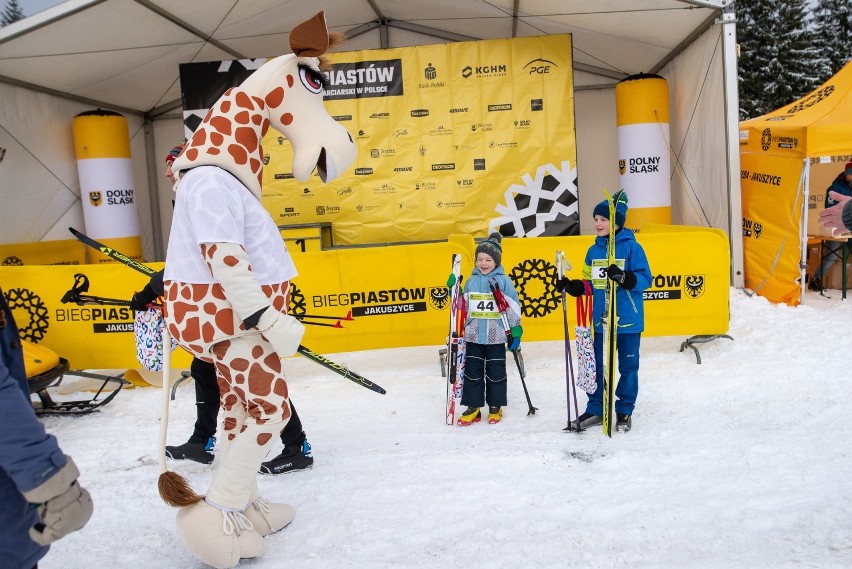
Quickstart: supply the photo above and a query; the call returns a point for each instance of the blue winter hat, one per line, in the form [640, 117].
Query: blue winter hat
[491, 247]
[602, 209]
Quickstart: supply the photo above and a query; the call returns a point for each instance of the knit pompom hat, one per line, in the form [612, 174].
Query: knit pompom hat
[491, 247]
[602, 209]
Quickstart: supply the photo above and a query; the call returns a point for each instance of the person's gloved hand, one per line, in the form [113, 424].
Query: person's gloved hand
[625, 278]
[574, 287]
[515, 340]
[62, 504]
[283, 331]
[142, 298]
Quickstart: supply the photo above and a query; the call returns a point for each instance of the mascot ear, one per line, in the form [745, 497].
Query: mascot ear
[310, 38]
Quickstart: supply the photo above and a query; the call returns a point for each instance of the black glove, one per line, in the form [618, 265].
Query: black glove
[625, 278]
[141, 299]
[574, 287]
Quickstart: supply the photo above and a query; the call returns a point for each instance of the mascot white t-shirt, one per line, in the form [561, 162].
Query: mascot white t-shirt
[212, 206]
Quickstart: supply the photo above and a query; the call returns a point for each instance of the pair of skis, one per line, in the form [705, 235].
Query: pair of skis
[610, 327]
[455, 341]
[337, 368]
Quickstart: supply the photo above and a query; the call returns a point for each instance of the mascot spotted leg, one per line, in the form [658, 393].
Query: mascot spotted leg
[227, 284]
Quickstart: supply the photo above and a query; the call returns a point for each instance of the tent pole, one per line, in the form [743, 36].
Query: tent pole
[803, 227]
[732, 109]
[153, 190]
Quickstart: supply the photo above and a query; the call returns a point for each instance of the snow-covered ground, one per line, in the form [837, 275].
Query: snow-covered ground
[744, 461]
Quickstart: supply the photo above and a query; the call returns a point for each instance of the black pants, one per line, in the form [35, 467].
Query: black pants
[207, 401]
[484, 375]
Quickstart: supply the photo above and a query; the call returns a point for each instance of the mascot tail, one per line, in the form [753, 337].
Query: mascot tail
[174, 488]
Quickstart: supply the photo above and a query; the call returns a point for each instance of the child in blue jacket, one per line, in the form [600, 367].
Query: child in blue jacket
[632, 275]
[484, 335]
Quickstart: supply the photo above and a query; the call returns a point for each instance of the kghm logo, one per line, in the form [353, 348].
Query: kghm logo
[25, 300]
[766, 139]
[430, 72]
[95, 198]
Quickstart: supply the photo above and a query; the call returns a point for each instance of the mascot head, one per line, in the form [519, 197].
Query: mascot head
[286, 94]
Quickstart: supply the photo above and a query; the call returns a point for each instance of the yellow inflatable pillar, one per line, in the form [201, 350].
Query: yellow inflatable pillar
[644, 165]
[102, 145]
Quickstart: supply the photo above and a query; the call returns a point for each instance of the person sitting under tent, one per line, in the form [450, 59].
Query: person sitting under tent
[842, 185]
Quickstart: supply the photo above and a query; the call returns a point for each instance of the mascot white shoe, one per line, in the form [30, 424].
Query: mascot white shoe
[227, 283]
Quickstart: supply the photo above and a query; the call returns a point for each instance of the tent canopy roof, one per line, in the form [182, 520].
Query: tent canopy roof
[818, 124]
[124, 54]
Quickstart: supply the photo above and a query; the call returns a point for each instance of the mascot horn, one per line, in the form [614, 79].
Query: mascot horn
[227, 283]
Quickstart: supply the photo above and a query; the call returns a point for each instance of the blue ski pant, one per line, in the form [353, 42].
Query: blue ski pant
[484, 375]
[627, 388]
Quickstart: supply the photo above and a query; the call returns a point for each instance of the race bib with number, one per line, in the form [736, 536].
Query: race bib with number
[598, 272]
[482, 305]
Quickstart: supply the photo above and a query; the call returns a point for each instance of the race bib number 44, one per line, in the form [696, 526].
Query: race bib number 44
[482, 305]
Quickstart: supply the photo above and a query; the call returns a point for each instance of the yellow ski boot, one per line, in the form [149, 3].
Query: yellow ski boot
[471, 415]
[495, 414]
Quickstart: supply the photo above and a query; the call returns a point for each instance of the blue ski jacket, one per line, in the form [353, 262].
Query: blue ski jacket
[28, 455]
[629, 256]
[483, 324]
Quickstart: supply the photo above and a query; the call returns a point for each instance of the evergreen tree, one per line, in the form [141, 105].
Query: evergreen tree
[832, 28]
[757, 54]
[779, 60]
[802, 66]
[12, 13]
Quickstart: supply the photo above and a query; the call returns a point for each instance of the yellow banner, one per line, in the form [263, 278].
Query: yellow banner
[453, 138]
[772, 206]
[397, 295]
[62, 252]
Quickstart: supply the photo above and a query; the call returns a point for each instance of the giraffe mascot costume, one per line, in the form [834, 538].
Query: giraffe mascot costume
[227, 283]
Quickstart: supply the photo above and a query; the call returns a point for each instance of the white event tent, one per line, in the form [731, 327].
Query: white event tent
[123, 55]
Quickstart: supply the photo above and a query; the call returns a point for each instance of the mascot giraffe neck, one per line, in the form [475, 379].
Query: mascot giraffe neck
[285, 93]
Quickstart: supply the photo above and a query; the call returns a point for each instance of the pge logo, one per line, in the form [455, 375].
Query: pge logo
[539, 66]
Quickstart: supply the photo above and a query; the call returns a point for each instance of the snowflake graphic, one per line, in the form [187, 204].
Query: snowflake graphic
[544, 205]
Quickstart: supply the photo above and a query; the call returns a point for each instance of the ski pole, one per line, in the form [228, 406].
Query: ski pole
[502, 307]
[570, 388]
[303, 351]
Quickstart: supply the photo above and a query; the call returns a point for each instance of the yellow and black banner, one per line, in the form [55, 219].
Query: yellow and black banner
[468, 137]
[61, 252]
[772, 206]
[397, 295]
